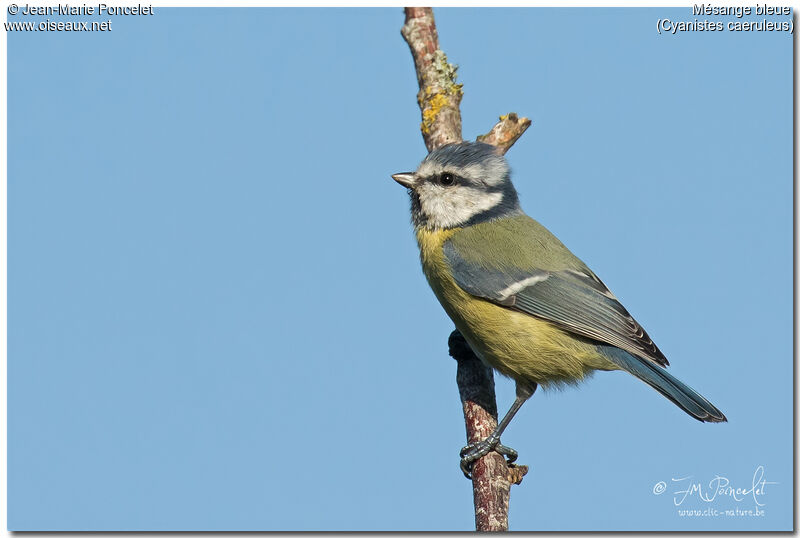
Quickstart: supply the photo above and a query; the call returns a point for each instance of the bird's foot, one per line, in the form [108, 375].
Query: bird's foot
[475, 451]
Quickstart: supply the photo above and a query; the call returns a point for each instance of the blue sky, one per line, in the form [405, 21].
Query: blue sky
[216, 315]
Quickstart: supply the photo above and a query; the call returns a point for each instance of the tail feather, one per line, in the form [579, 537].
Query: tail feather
[657, 377]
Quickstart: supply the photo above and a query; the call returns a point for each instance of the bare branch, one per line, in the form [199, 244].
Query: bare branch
[439, 93]
[439, 98]
[506, 131]
[492, 477]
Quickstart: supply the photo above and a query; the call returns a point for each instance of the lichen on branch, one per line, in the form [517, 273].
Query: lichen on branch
[439, 94]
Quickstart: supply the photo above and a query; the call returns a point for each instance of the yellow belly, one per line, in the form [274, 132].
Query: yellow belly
[517, 345]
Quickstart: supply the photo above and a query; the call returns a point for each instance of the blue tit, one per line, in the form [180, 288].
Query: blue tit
[525, 304]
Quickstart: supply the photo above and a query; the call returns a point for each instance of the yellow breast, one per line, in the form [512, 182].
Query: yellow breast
[515, 344]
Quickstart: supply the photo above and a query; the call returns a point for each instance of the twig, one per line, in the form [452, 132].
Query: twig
[506, 131]
[439, 98]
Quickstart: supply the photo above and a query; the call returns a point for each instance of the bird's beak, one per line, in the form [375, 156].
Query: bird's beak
[406, 179]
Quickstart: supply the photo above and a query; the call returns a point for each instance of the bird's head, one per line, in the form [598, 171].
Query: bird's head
[460, 185]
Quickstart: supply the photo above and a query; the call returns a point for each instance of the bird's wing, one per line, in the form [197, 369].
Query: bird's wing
[564, 292]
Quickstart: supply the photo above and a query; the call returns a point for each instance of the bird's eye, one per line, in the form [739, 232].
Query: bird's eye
[447, 179]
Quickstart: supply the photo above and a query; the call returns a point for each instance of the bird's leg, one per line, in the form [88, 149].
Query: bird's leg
[475, 451]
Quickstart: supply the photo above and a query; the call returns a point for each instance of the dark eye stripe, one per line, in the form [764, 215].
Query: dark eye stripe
[447, 179]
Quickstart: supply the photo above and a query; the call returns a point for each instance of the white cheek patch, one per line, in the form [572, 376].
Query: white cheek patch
[446, 208]
[478, 201]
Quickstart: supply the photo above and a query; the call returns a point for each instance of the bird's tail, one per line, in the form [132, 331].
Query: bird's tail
[657, 377]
